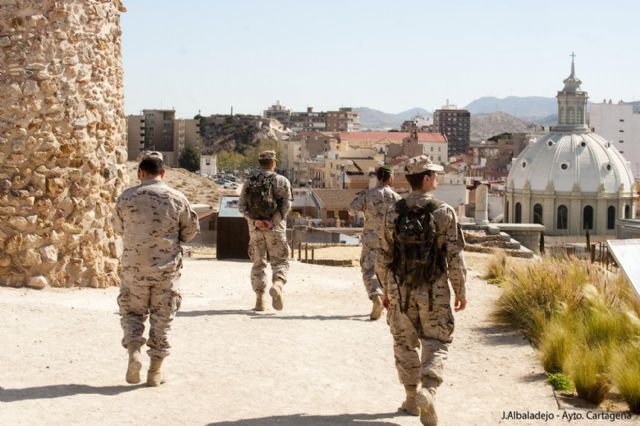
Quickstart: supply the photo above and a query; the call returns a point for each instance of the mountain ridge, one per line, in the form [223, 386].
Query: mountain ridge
[373, 119]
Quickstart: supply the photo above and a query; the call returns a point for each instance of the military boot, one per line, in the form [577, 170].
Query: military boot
[135, 364]
[426, 401]
[409, 404]
[259, 301]
[276, 295]
[154, 375]
[378, 307]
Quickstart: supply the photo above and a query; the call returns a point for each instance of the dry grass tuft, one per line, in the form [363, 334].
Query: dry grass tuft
[497, 268]
[625, 374]
[587, 368]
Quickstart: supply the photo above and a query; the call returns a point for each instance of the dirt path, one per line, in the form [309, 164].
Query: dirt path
[319, 362]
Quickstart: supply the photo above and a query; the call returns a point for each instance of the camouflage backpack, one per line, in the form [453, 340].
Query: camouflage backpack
[417, 258]
[261, 201]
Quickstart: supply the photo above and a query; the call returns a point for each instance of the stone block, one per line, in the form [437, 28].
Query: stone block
[38, 282]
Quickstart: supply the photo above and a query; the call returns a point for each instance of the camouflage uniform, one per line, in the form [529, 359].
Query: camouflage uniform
[433, 327]
[269, 245]
[374, 203]
[154, 220]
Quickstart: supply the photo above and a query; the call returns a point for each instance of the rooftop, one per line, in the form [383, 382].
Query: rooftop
[335, 198]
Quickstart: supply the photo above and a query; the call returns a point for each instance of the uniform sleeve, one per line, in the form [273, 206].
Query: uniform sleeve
[242, 202]
[454, 246]
[284, 197]
[384, 257]
[189, 224]
[118, 223]
[358, 203]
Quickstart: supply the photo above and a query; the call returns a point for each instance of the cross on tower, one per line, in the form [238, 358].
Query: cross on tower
[573, 55]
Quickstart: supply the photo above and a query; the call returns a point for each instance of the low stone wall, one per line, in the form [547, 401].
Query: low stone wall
[528, 234]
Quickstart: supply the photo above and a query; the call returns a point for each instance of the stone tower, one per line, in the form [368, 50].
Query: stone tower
[62, 141]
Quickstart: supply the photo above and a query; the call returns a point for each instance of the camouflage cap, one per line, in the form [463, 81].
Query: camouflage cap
[146, 154]
[422, 163]
[385, 168]
[267, 155]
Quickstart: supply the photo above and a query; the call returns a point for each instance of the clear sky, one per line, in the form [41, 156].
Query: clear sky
[210, 55]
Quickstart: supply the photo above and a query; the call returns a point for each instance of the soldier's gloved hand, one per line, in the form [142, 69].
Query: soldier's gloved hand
[259, 225]
[267, 225]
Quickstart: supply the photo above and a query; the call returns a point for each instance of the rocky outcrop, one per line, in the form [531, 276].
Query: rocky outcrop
[62, 141]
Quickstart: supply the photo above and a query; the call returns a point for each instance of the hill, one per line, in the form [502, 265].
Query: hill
[197, 189]
[528, 107]
[237, 133]
[373, 119]
[483, 126]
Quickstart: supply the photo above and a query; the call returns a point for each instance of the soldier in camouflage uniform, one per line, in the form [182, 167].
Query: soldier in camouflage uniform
[268, 236]
[154, 220]
[419, 316]
[374, 203]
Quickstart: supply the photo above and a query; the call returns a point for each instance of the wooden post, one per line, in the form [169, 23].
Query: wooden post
[313, 254]
[589, 243]
[306, 251]
[300, 250]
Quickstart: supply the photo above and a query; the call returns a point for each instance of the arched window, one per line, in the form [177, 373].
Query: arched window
[518, 213]
[587, 218]
[627, 211]
[537, 214]
[571, 115]
[563, 216]
[611, 217]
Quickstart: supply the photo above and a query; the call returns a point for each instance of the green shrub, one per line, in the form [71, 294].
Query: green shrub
[587, 368]
[560, 382]
[625, 375]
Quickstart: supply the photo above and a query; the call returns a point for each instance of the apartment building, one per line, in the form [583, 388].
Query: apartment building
[135, 136]
[455, 124]
[619, 124]
[159, 130]
[278, 112]
[343, 120]
[307, 121]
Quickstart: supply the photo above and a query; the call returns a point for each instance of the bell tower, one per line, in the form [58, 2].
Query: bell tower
[572, 104]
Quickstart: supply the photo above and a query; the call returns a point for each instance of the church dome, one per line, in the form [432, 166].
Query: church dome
[568, 162]
[571, 181]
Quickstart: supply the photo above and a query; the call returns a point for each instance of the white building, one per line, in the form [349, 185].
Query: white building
[571, 180]
[208, 165]
[620, 125]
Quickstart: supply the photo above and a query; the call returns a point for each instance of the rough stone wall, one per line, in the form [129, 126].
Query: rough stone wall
[62, 141]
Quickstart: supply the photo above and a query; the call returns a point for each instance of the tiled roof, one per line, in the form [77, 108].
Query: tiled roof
[432, 137]
[369, 139]
[357, 153]
[354, 137]
[335, 198]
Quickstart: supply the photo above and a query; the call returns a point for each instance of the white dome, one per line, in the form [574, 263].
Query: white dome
[570, 161]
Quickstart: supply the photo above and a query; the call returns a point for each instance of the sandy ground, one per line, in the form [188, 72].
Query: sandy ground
[319, 362]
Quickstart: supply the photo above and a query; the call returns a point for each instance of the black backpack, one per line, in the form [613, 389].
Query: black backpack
[261, 202]
[417, 258]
